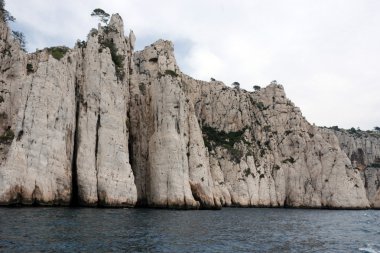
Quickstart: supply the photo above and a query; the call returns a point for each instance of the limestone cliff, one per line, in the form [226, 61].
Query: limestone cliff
[102, 125]
[64, 113]
[363, 149]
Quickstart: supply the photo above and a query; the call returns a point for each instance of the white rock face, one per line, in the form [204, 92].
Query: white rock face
[104, 126]
[36, 167]
[362, 148]
[78, 103]
[269, 155]
[372, 182]
[102, 162]
[160, 130]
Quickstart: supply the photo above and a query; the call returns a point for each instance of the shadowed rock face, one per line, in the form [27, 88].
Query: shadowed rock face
[106, 126]
[363, 148]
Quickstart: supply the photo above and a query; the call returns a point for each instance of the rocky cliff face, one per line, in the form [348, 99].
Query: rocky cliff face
[363, 149]
[64, 133]
[101, 125]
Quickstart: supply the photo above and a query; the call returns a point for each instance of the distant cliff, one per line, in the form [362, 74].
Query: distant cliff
[102, 125]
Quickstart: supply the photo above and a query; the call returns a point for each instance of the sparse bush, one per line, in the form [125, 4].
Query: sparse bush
[335, 128]
[214, 138]
[29, 68]
[20, 37]
[58, 52]
[4, 14]
[352, 130]
[117, 59]
[260, 105]
[108, 29]
[7, 136]
[236, 85]
[212, 79]
[247, 172]
[274, 82]
[81, 44]
[256, 87]
[171, 72]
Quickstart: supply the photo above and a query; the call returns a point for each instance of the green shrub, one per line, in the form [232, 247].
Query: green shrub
[171, 72]
[214, 138]
[7, 137]
[29, 68]
[335, 128]
[260, 105]
[375, 165]
[81, 44]
[58, 52]
[236, 85]
[20, 37]
[247, 172]
[117, 59]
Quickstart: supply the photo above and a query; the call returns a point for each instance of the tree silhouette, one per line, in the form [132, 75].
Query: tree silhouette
[101, 14]
[20, 37]
[256, 87]
[5, 16]
[236, 85]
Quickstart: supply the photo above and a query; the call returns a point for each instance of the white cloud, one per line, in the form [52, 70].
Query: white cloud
[325, 53]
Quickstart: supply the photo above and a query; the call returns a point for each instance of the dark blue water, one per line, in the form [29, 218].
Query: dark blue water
[148, 230]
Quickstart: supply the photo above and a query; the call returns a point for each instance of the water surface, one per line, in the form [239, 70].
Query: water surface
[149, 230]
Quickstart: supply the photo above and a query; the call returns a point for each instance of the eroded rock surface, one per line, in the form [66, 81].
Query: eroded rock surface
[101, 125]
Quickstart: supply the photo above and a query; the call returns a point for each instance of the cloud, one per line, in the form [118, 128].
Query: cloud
[325, 53]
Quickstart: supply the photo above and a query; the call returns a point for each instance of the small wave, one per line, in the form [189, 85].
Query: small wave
[368, 249]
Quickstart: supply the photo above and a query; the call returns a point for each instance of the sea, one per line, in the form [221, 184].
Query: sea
[156, 230]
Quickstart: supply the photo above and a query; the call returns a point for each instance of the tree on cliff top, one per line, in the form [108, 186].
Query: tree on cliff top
[5, 16]
[20, 37]
[236, 85]
[101, 14]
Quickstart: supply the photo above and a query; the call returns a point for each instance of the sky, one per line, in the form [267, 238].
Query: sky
[325, 53]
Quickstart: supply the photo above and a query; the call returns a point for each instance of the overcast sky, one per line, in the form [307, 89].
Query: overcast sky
[326, 53]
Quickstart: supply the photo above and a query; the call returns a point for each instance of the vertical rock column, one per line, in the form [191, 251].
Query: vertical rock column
[103, 171]
[160, 130]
